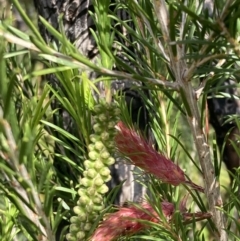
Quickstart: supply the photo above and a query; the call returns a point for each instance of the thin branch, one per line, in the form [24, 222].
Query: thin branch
[189, 73]
[134, 77]
[77, 64]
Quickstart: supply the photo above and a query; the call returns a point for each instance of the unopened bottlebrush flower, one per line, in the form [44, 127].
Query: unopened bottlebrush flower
[142, 154]
[129, 220]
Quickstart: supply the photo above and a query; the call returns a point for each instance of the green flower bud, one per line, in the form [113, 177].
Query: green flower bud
[92, 191]
[98, 181]
[83, 217]
[111, 146]
[80, 235]
[93, 138]
[102, 118]
[83, 200]
[94, 214]
[111, 124]
[98, 208]
[97, 200]
[103, 189]
[86, 182]
[89, 208]
[88, 164]
[91, 173]
[98, 108]
[70, 237]
[98, 164]
[79, 210]
[87, 226]
[75, 219]
[109, 161]
[105, 155]
[73, 228]
[82, 192]
[104, 136]
[97, 128]
[105, 172]
[92, 218]
[107, 178]
[91, 147]
[106, 106]
[99, 145]
[93, 155]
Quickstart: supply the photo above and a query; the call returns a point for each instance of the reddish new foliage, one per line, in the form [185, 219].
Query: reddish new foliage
[143, 155]
[128, 220]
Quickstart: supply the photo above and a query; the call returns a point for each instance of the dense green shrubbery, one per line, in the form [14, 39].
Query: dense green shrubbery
[176, 43]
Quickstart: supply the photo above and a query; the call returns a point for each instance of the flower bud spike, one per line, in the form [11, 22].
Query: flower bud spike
[142, 154]
[97, 173]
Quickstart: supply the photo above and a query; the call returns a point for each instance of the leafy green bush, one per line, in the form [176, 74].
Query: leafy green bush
[181, 48]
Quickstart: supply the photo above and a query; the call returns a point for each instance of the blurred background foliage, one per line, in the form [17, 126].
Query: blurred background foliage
[31, 185]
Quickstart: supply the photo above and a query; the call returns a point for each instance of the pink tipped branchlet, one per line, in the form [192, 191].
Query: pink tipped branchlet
[132, 145]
